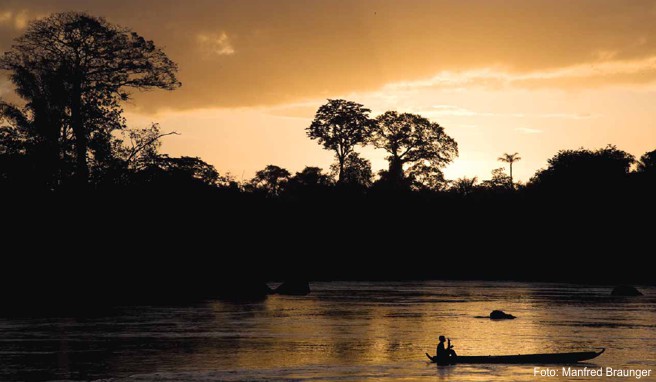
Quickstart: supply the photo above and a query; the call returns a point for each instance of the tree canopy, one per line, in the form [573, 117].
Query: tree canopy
[340, 125]
[464, 186]
[647, 163]
[271, 180]
[412, 139]
[584, 169]
[73, 70]
[311, 177]
[499, 180]
[356, 171]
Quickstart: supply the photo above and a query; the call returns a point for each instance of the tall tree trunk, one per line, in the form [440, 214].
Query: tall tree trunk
[340, 177]
[512, 184]
[396, 175]
[82, 168]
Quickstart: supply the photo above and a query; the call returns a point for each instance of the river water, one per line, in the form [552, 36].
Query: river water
[342, 331]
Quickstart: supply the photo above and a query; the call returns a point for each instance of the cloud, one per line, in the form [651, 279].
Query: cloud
[467, 126]
[452, 110]
[217, 44]
[565, 115]
[287, 51]
[527, 130]
[303, 110]
[21, 19]
[17, 20]
[6, 17]
[456, 111]
[592, 74]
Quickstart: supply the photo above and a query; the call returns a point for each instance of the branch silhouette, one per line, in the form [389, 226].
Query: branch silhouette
[138, 149]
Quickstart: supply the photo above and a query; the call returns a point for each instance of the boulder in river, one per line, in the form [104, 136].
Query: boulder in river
[501, 315]
[625, 290]
[294, 288]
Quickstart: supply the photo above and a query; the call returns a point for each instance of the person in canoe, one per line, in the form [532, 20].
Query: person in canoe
[445, 354]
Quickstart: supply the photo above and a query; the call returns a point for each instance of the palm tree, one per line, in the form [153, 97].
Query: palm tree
[510, 159]
[464, 186]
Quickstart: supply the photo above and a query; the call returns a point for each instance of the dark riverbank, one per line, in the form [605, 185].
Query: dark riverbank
[182, 246]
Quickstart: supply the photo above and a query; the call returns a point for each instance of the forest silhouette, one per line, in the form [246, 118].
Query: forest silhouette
[91, 201]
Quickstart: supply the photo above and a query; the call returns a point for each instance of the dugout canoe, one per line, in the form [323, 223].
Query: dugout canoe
[545, 358]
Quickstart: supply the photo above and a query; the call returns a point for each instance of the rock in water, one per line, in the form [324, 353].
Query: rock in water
[294, 288]
[501, 315]
[625, 290]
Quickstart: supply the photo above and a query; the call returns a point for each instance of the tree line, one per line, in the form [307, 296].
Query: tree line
[74, 71]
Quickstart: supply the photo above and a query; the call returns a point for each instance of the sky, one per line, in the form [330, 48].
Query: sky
[526, 76]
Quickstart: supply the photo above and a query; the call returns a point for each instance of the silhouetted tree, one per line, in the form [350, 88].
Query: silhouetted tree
[647, 163]
[190, 168]
[464, 186]
[309, 183]
[499, 181]
[355, 170]
[585, 170]
[311, 177]
[340, 125]
[15, 165]
[88, 64]
[412, 139]
[128, 152]
[426, 177]
[175, 175]
[644, 179]
[38, 126]
[510, 159]
[139, 148]
[229, 182]
[13, 139]
[272, 179]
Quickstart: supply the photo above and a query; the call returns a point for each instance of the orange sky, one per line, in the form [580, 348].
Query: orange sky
[501, 76]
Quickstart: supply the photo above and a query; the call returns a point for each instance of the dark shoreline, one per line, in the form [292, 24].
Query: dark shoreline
[169, 248]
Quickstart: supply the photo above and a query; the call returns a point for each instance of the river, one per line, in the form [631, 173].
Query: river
[342, 331]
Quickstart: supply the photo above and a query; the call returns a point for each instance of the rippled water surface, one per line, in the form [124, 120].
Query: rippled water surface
[343, 331]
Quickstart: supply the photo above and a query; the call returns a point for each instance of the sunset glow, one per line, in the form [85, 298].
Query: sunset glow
[513, 76]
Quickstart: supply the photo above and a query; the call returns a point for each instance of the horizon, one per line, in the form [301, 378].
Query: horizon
[253, 75]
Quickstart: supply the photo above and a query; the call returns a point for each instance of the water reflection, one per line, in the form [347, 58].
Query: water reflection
[352, 331]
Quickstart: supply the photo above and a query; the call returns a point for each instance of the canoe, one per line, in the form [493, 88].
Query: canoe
[546, 358]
